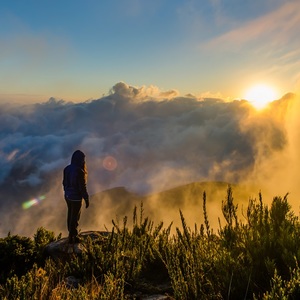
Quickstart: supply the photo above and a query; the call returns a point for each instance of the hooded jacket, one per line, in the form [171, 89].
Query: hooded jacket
[75, 178]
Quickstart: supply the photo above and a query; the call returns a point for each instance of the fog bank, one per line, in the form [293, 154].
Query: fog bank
[145, 140]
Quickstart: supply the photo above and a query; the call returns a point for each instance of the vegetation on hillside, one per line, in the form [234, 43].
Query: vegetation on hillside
[253, 258]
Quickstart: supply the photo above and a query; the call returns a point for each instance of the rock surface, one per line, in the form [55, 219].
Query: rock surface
[62, 248]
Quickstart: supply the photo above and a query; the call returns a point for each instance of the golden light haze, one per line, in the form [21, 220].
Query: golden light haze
[278, 173]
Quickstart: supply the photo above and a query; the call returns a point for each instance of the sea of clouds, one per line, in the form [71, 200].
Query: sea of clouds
[145, 140]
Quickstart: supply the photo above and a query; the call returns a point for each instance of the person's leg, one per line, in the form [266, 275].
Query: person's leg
[74, 219]
[69, 217]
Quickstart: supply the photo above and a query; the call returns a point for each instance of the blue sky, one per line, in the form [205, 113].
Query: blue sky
[78, 50]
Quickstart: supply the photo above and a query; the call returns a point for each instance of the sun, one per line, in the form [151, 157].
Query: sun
[261, 95]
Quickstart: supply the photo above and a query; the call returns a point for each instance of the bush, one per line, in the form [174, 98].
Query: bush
[17, 256]
[254, 259]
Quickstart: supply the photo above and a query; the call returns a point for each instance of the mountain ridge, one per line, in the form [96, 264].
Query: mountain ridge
[118, 202]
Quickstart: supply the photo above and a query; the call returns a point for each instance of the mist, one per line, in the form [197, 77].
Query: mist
[145, 140]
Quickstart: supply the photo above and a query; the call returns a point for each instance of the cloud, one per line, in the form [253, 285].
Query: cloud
[156, 140]
[142, 93]
[275, 28]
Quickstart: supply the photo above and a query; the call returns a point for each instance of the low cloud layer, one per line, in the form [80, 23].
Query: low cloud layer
[142, 139]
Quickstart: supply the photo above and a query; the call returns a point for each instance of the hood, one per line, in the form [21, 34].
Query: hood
[78, 158]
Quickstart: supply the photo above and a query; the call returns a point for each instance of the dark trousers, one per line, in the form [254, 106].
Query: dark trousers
[74, 210]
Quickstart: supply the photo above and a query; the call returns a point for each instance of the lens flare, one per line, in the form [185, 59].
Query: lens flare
[109, 163]
[32, 202]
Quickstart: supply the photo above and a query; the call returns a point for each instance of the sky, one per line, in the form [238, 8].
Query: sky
[78, 50]
[153, 92]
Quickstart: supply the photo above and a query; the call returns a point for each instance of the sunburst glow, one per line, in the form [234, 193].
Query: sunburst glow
[261, 95]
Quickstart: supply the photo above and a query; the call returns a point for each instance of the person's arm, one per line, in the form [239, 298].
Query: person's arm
[64, 178]
[83, 188]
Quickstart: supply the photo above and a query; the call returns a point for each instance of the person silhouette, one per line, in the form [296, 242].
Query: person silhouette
[75, 189]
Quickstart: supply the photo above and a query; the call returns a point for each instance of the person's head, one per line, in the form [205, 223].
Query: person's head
[78, 159]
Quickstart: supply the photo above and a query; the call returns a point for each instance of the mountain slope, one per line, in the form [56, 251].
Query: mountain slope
[164, 206]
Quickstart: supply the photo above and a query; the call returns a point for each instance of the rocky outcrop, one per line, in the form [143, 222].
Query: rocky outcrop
[61, 249]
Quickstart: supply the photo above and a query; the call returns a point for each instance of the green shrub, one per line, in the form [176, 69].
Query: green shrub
[17, 256]
[256, 258]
